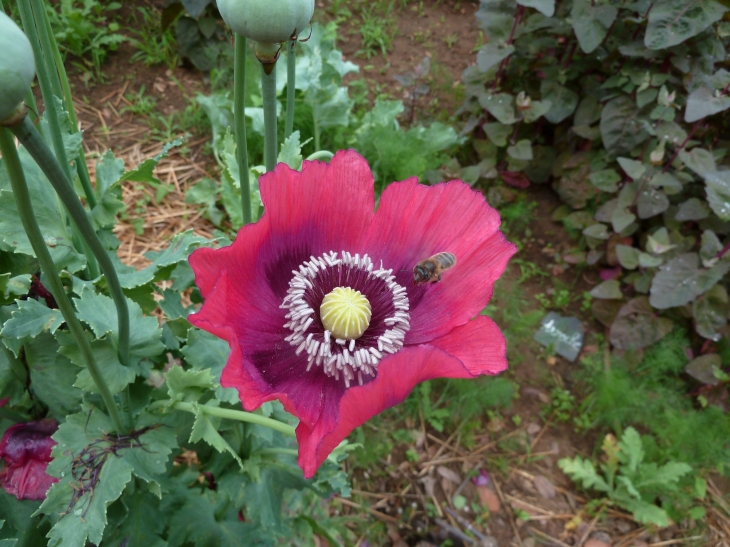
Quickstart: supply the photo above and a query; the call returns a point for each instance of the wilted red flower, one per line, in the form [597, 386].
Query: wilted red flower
[26, 449]
[264, 292]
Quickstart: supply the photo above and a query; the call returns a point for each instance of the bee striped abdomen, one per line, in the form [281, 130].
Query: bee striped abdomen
[432, 268]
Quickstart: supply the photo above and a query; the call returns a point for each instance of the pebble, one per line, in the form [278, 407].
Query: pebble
[489, 499]
[596, 543]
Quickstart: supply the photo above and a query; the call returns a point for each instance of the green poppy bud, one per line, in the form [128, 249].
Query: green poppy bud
[270, 21]
[17, 66]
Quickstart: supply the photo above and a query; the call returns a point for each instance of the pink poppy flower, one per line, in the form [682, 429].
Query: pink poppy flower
[26, 450]
[263, 294]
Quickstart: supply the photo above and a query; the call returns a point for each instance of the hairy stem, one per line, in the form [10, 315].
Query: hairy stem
[239, 122]
[50, 88]
[33, 142]
[238, 415]
[48, 79]
[268, 89]
[30, 225]
[291, 75]
[81, 167]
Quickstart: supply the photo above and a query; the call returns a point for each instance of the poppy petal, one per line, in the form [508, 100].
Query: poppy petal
[415, 222]
[326, 205]
[397, 375]
[478, 344]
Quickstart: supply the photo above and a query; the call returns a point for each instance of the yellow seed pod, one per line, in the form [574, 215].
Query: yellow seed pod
[346, 313]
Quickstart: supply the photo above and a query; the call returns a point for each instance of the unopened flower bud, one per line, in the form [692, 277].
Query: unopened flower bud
[270, 21]
[523, 101]
[17, 66]
[25, 449]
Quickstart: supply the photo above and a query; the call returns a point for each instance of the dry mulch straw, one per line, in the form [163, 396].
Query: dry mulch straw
[157, 221]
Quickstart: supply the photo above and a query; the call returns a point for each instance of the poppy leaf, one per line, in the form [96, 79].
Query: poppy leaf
[205, 428]
[99, 312]
[30, 319]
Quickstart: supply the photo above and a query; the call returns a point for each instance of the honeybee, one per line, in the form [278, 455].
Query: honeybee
[432, 268]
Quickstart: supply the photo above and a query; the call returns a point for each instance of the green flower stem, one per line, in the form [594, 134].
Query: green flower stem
[239, 122]
[321, 155]
[52, 279]
[268, 90]
[238, 415]
[316, 133]
[32, 106]
[81, 167]
[291, 76]
[47, 90]
[50, 85]
[33, 142]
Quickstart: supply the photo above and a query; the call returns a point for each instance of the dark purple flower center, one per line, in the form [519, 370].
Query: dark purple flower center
[356, 357]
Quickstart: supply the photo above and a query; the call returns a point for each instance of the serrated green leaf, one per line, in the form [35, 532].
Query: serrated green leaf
[671, 22]
[104, 213]
[179, 249]
[149, 461]
[206, 351]
[582, 470]
[30, 319]
[188, 385]
[648, 513]
[291, 151]
[108, 171]
[115, 375]
[631, 450]
[142, 524]
[99, 312]
[51, 220]
[87, 519]
[205, 429]
[6, 542]
[12, 286]
[52, 376]
[198, 521]
[205, 192]
[591, 23]
[144, 172]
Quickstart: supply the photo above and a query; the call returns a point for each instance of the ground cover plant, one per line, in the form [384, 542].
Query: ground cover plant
[642, 433]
